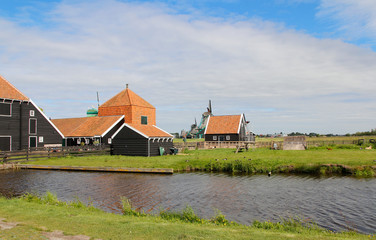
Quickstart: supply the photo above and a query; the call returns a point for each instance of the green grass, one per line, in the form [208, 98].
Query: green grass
[46, 213]
[357, 162]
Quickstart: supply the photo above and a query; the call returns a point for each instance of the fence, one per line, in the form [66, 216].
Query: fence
[269, 144]
[43, 153]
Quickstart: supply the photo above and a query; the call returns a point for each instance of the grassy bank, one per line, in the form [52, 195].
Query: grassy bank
[347, 160]
[38, 215]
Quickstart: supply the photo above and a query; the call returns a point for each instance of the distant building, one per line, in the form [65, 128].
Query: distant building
[228, 128]
[22, 124]
[126, 122]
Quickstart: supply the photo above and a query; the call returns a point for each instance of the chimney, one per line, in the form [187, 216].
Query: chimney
[126, 86]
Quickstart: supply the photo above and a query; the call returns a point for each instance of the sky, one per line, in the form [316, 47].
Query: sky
[288, 65]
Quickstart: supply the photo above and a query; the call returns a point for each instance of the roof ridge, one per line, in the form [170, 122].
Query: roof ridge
[129, 97]
[23, 95]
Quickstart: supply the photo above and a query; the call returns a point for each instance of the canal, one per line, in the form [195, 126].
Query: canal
[336, 203]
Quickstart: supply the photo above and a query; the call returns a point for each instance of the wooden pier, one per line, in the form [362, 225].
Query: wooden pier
[98, 169]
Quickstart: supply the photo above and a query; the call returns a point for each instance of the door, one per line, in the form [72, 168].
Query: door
[32, 142]
[5, 143]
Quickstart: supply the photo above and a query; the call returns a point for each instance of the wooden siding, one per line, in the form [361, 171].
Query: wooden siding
[17, 126]
[129, 142]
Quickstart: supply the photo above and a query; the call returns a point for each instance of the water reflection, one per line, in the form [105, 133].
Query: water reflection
[337, 203]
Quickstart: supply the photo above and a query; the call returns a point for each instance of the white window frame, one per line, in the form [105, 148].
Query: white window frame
[36, 125]
[41, 139]
[87, 141]
[10, 115]
[10, 140]
[146, 120]
[32, 113]
[36, 140]
[228, 137]
[215, 138]
[79, 141]
[109, 140]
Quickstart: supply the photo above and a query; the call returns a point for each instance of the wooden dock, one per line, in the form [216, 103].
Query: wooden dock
[98, 169]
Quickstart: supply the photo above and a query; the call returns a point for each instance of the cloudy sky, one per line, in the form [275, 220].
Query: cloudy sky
[289, 65]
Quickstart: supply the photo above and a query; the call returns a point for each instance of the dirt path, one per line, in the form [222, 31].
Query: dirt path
[55, 235]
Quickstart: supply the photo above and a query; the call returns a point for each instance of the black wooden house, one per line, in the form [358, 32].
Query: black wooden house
[227, 128]
[140, 140]
[22, 124]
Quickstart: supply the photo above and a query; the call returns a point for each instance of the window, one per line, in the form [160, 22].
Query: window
[228, 137]
[6, 109]
[109, 141]
[32, 142]
[5, 143]
[214, 138]
[32, 113]
[32, 126]
[41, 139]
[87, 141]
[144, 120]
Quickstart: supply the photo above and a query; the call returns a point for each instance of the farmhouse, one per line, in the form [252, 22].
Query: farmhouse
[88, 130]
[22, 124]
[126, 122]
[228, 128]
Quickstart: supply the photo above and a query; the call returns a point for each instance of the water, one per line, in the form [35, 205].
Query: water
[336, 203]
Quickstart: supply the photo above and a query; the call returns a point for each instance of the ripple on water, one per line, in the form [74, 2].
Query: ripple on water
[337, 203]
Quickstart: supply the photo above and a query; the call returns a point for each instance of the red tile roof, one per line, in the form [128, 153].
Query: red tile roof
[228, 124]
[150, 131]
[125, 98]
[86, 126]
[8, 91]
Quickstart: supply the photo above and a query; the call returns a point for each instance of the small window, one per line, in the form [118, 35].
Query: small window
[109, 141]
[41, 139]
[214, 138]
[228, 137]
[32, 126]
[144, 120]
[32, 113]
[87, 141]
[32, 142]
[6, 109]
[79, 141]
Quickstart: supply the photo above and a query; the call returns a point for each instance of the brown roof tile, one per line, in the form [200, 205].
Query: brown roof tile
[8, 91]
[125, 98]
[223, 124]
[150, 131]
[86, 126]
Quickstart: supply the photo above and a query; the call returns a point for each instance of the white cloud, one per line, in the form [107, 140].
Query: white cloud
[356, 19]
[281, 79]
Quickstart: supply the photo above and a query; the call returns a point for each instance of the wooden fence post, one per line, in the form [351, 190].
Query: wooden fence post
[27, 155]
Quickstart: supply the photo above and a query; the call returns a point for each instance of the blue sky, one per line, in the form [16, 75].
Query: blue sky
[289, 65]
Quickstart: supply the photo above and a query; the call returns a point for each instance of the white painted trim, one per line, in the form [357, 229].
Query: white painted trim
[207, 124]
[36, 140]
[113, 125]
[36, 126]
[44, 115]
[11, 110]
[10, 139]
[163, 130]
[240, 122]
[149, 147]
[128, 126]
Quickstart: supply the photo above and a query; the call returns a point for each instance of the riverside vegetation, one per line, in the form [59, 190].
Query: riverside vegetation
[38, 214]
[339, 159]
